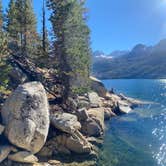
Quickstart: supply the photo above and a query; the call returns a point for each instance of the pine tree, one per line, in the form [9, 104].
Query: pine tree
[1, 16]
[77, 43]
[26, 26]
[3, 37]
[19, 20]
[12, 24]
[44, 34]
[71, 43]
[44, 27]
[43, 57]
[4, 68]
[30, 33]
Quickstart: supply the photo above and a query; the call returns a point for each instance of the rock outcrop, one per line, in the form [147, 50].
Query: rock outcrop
[97, 114]
[71, 140]
[65, 122]
[75, 127]
[98, 87]
[23, 157]
[67, 144]
[26, 117]
[91, 128]
[94, 100]
[4, 152]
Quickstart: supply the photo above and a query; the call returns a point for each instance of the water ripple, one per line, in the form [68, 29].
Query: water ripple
[160, 134]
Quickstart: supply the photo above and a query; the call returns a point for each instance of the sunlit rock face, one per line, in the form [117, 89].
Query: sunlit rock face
[26, 117]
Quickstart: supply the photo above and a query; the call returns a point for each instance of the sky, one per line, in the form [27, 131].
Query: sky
[120, 24]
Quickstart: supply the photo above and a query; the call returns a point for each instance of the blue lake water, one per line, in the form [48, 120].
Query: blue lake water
[138, 138]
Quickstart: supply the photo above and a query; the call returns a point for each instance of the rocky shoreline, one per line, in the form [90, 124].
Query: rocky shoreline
[35, 133]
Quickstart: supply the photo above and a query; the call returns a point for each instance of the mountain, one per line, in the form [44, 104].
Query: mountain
[118, 53]
[100, 55]
[114, 54]
[141, 62]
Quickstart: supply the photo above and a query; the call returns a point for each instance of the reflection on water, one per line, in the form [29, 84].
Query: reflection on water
[160, 134]
[139, 138]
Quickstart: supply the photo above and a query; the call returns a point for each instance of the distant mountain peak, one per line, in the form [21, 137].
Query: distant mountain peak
[163, 41]
[139, 47]
[161, 46]
[114, 54]
[118, 53]
[141, 62]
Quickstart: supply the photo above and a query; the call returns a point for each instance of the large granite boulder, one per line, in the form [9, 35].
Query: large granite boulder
[65, 122]
[26, 117]
[98, 87]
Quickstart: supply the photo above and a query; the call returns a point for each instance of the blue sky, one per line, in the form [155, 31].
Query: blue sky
[121, 24]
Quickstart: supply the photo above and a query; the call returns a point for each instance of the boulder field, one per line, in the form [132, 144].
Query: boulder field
[36, 133]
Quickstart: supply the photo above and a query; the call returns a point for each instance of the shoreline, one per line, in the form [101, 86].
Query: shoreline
[75, 136]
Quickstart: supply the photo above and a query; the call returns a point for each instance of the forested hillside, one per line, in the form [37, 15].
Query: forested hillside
[66, 51]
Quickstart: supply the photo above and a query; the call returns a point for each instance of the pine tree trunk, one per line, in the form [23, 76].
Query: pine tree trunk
[44, 29]
[65, 69]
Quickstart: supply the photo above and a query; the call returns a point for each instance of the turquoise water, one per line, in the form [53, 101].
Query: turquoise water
[138, 138]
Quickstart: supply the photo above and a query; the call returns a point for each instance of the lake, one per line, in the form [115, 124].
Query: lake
[138, 138]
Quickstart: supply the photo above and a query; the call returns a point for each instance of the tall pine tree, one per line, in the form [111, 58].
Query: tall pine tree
[11, 21]
[26, 26]
[4, 68]
[1, 16]
[71, 43]
[44, 27]
[3, 36]
[43, 57]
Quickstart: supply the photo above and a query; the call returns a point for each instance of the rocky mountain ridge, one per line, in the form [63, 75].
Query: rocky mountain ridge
[141, 62]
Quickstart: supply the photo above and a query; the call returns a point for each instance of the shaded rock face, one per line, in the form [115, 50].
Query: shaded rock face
[82, 114]
[1, 129]
[26, 117]
[91, 128]
[108, 113]
[17, 77]
[98, 87]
